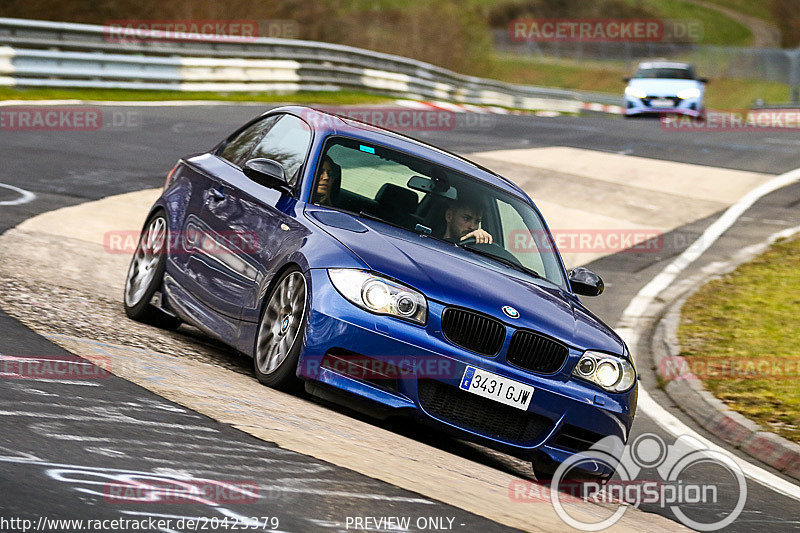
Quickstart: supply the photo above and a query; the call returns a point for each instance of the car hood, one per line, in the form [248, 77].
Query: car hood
[663, 87]
[453, 276]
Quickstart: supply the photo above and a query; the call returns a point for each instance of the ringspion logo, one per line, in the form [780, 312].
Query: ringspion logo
[647, 470]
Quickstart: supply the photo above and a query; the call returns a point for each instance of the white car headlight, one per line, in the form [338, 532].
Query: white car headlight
[612, 373]
[685, 94]
[380, 295]
[635, 92]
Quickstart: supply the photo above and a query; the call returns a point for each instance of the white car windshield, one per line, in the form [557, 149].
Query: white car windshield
[665, 73]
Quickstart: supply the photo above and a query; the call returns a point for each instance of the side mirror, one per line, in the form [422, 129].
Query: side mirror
[268, 173]
[702, 80]
[586, 282]
[626, 79]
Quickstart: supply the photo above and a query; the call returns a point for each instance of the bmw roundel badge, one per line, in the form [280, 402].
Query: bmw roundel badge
[510, 311]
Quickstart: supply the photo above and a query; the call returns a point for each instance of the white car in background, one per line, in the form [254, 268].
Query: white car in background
[660, 87]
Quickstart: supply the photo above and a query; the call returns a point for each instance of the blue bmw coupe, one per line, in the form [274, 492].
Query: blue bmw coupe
[388, 274]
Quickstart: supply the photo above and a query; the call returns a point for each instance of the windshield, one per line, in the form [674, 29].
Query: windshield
[378, 183]
[665, 73]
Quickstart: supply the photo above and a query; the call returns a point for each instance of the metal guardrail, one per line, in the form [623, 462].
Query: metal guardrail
[58, 54]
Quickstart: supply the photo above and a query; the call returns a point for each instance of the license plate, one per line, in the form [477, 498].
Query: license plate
[661, 102]
[497, 388]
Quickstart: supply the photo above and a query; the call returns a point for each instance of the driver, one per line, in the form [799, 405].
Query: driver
[463, 219]
[328, 180]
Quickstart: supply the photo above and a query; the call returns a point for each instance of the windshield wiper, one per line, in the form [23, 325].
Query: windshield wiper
[365, 214]
[505, 261]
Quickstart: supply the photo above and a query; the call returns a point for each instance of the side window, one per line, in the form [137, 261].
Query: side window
[237, 148]
[287, 143]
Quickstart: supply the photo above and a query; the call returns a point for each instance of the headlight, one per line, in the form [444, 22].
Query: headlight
[635, 92]
[380, 295]
[685, 94]
[614, 374]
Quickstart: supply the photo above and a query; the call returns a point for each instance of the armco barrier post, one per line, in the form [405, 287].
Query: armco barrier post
[795, 75]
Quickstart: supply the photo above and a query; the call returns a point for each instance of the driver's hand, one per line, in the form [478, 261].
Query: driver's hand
[481, 236]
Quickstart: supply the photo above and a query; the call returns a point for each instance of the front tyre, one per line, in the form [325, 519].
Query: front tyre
[280, 332]
[146, 273]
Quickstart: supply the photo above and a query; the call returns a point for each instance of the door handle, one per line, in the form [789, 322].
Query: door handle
[215, 195]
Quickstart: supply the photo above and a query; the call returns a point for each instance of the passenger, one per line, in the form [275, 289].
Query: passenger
[463, 219]
[328, 181]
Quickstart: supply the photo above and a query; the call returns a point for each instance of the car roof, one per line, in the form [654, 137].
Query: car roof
[664, 64]
[326, 124]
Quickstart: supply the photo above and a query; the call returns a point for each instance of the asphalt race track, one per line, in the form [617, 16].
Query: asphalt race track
[69, 435]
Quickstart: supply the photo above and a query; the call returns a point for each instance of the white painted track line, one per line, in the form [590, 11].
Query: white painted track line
[629, 325]
[24, 196]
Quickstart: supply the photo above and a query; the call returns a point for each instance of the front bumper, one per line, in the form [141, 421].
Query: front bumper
[692, 107]
[408, 368]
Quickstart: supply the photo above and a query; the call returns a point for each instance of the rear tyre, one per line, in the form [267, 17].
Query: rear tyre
[146, 273]
[280, 332]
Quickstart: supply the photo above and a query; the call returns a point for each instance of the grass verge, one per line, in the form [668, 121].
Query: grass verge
[606, 77]
[566, 74]
[754, 8]
[740, 94]
[717, 28]
[741, 335]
